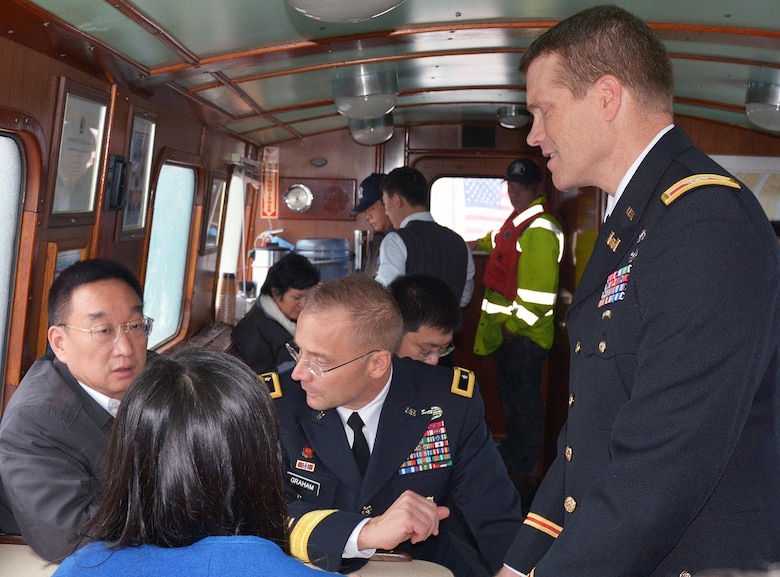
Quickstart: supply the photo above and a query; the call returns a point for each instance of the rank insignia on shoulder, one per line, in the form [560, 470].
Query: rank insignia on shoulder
[682, 186]
[271, 381]
[462, 382]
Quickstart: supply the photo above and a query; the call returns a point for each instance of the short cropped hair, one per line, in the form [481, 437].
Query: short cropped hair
[374, 318]
[608, 40]
[291, 271]
[194, 452]
[409, 183]
[81, 273]
[425, 300]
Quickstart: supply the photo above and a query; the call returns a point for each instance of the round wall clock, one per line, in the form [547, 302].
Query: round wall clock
[298, 198]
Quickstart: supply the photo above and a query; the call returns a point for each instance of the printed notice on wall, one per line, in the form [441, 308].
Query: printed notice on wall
[269, 193]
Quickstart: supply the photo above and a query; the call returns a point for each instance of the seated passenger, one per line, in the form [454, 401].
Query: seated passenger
[375, 446]
[431, 315]
[54, 432]
[196, 481]
[260, 336]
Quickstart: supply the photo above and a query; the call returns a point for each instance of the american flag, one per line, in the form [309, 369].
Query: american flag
[470, 206]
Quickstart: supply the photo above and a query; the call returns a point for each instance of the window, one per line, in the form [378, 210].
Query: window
[10, 209]
[168, 249]
[471, 206]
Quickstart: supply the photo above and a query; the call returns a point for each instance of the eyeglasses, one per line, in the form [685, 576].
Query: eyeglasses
[295, 353]
[442, 352]
[109, 333]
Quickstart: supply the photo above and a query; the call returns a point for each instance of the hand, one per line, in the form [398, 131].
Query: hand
[411, 517]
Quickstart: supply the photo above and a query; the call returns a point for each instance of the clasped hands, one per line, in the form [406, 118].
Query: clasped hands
[411, 517]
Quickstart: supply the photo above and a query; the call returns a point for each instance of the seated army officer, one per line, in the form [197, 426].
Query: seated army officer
[373, 443]
[54, 432]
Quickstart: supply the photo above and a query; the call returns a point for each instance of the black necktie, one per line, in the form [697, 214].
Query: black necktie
[359, 446]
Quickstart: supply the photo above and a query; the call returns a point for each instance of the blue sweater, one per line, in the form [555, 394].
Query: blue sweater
[241, 555]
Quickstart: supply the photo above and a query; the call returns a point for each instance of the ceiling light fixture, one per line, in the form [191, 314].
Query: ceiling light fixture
[343, 11]
[365, 94]
[513, 116]
[762, 105]
[371, 131]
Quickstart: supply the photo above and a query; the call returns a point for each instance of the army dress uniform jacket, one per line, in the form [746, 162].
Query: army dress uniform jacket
[432, 439]
[668, 463]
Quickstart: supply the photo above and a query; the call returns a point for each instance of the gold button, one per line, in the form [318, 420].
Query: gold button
[685, 574]
[607, 314]
[569, 504]
[571, 399]
[366, 510]
[602, 346]
[577, 347]
[569, 452]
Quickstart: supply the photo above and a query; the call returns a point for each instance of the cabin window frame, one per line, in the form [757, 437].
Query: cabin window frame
[29, 136]
[184, 283]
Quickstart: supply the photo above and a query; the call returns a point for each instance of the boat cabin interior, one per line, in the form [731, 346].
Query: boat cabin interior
[183, 137]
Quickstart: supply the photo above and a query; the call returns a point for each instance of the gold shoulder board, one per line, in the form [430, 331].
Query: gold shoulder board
[694, 181]
[462, 382]
[271, 381]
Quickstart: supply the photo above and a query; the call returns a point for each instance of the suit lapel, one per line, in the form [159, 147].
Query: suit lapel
[325, 432]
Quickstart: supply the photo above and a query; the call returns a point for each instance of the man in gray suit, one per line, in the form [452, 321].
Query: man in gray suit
[54, 432]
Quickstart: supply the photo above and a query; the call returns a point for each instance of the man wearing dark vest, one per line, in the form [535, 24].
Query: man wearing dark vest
[516, 322]
[418, 244]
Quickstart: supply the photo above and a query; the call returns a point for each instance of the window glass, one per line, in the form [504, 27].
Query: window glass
[10, 208]
[168, 249]
[472, 207]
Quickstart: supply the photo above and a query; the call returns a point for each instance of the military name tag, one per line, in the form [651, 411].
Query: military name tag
[303, 483]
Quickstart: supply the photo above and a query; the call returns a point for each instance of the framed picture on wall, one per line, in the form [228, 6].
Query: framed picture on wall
[215, 202]
[80, 122]
[139, 170]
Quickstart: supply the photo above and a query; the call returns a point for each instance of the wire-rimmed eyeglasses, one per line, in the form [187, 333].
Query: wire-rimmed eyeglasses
[108, 333]
[295, 353]
[427, 354]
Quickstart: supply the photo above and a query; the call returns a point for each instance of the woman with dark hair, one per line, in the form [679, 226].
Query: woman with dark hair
[195, 484]
[260, 336]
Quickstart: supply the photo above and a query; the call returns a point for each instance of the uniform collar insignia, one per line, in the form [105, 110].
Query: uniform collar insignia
[612, 241]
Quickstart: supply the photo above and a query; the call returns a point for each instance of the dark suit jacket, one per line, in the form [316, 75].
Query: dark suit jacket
[53, 437]
[259, 341]
[321, 474]
[669, 459]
